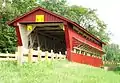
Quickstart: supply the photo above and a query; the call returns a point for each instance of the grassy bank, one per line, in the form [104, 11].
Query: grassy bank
[55, 72]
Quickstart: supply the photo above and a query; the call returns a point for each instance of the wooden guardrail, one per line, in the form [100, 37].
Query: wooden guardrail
[6, 57]
[40, 55]
[111, 63]
[31, 55]
[85, 52]
[35, 56]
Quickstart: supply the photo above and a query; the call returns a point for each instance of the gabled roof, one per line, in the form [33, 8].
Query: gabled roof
[56, 15]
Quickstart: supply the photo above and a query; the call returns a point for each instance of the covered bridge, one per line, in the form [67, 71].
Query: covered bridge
[47, 30]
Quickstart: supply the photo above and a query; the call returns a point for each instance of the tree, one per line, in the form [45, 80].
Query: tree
[7, 36]
[57, 6]
[112, 52]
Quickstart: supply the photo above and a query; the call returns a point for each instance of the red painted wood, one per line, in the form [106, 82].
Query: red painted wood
[67, 39]
[75, 43]
[87, 60]
[32, 17]
[75, 35]
[79, 57]
[19, 40]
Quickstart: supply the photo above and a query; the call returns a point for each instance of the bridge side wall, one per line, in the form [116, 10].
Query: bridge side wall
[69, 35]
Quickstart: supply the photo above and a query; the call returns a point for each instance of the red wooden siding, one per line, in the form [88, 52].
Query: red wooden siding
[87, 60]
[79, 57]
[19, 40]
[75, 35]
[68, 46]
[47, 17]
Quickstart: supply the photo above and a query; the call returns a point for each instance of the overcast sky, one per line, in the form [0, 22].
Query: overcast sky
[108, 11]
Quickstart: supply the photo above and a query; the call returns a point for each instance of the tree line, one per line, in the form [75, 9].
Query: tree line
[86, 17]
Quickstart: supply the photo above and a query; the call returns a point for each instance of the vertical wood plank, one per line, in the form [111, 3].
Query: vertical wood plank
[52, 56]
[20, 55]
[16, 55]
[46, 55]
[74, 50]
[7, 55]
[39, 54]
[60, 56]
[30, 55]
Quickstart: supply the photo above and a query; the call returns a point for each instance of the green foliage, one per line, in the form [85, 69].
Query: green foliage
[7, 34]
[117, 70]
[112, 52]
[60, 7]
[56, 72]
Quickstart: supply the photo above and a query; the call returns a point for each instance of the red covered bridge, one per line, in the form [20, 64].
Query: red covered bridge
[47, 30]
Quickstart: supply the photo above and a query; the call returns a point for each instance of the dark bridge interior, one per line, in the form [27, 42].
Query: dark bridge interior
[49, 37]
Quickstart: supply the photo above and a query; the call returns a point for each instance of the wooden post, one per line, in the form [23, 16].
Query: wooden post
[84, 53]
[65, 52]
[52, 56]
[56, 55]
[80, 52]
[60, 56]
[20, 55]
[74, 50]
[39, 54]
[7, 55]
[46, 55]
[16, 55]
[30, 55]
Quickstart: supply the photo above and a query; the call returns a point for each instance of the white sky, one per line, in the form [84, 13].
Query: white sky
[108, 11]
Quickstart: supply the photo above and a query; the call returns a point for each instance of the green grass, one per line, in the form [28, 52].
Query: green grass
[55, 72]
